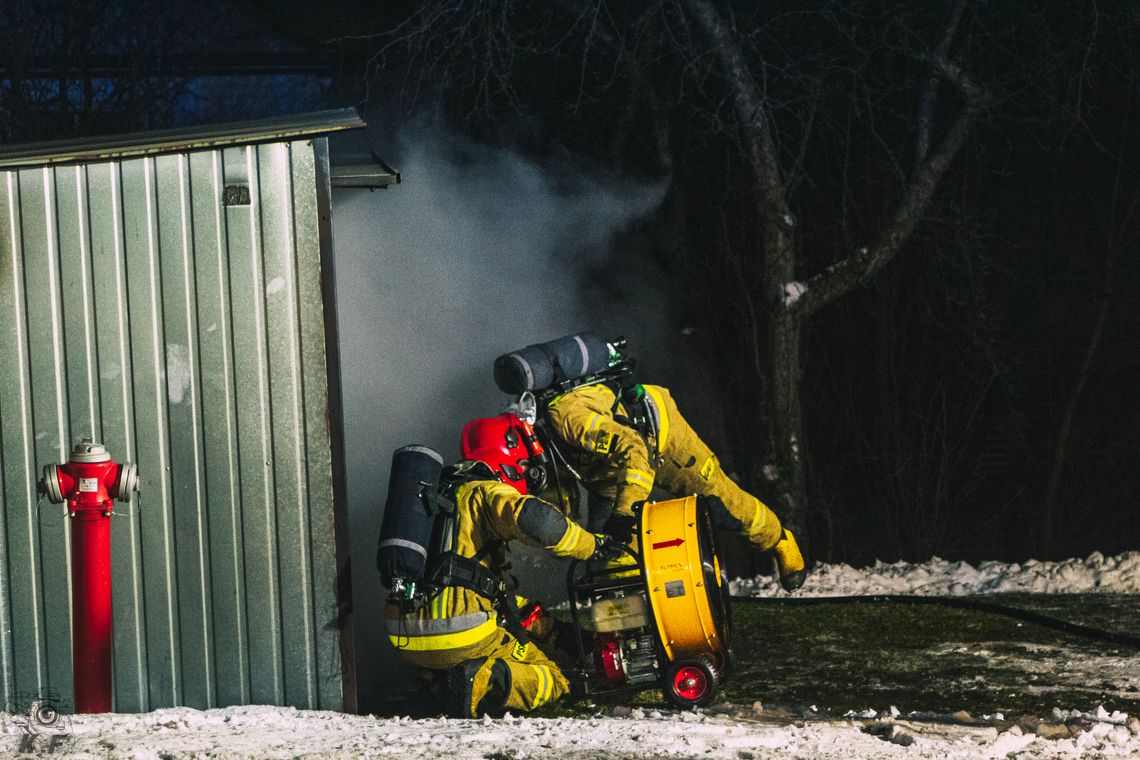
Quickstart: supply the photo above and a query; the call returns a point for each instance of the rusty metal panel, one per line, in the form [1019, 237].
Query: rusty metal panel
[173, 306]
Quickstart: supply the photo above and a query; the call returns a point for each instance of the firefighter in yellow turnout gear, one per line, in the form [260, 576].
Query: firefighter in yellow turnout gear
[620, 463]
[466, 628]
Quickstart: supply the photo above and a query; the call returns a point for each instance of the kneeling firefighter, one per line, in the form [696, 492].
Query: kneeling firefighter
[442, 554]
[622, 439]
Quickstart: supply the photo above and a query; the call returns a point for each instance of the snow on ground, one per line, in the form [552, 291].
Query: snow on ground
[938, 577]
[276, 732]
[739, 733]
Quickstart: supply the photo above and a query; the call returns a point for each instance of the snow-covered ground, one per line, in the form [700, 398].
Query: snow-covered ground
[1097, 574]
[271, 732]
[722, 731]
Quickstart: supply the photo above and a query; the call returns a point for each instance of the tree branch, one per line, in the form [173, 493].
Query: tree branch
[861, 266]
[929, 98]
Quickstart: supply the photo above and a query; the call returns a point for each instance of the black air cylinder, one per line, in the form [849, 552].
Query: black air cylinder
[537, 367]
[405, 533]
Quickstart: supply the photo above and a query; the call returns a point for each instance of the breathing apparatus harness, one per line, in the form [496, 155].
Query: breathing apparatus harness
[618, 377]
[446, 567]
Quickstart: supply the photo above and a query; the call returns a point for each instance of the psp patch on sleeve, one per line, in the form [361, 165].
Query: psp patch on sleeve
[605, 442]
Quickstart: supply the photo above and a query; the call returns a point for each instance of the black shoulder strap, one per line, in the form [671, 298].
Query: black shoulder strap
[451, 569]
[441, 499]
[487, 548]
[639, 415]
[556, 365]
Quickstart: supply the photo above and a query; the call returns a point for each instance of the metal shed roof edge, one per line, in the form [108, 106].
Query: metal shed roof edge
[205, 136]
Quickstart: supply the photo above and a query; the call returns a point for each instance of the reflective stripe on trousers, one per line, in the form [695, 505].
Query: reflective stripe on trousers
[425, 634]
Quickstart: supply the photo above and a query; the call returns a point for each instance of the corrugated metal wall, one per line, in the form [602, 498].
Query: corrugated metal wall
[148, 302]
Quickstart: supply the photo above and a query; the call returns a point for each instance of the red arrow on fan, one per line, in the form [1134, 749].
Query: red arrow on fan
[670, 542]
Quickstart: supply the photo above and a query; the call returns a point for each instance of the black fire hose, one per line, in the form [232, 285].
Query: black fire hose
[992, 608]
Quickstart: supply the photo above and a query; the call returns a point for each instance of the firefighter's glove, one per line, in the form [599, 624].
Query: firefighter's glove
[789, 562]
[607, 548]
[619, 527]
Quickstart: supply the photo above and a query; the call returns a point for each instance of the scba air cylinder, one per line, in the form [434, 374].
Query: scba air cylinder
[406, 531]
[539, 366]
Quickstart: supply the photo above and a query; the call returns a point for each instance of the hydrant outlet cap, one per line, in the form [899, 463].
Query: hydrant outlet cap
[88, 451]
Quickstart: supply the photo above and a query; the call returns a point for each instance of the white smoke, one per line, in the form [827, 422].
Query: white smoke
[478, 252]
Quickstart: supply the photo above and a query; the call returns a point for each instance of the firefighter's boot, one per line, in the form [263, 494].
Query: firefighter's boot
[789, 562]
[456, 696]
[476, 687]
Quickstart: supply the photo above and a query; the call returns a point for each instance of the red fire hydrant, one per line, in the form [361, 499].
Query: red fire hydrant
[90, 482]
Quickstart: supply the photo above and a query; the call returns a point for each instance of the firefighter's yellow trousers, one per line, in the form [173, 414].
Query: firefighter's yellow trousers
[525, 679]
[688, 466]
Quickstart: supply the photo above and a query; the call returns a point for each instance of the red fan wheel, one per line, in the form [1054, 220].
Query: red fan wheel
[691, 683]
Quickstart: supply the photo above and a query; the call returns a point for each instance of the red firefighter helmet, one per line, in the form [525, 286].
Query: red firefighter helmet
[508, 445]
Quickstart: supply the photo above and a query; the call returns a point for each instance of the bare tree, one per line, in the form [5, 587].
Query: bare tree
[793, 301]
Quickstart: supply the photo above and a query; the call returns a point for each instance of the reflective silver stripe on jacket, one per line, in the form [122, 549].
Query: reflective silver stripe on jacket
[403, 626]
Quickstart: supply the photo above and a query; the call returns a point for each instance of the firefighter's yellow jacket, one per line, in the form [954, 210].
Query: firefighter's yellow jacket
[619, 463]
[459, 625]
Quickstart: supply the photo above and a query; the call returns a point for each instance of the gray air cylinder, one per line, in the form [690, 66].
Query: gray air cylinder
[537, 367]
[405, 533]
